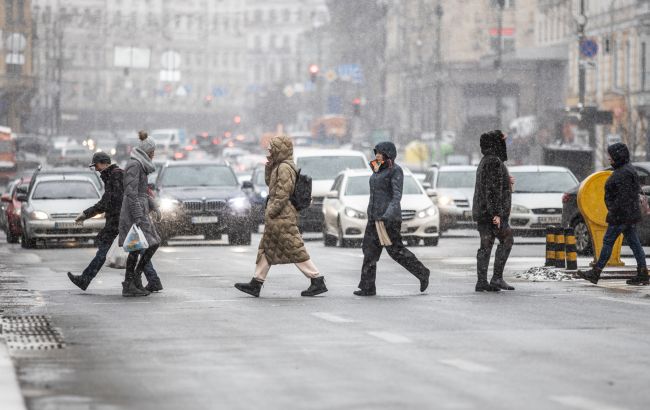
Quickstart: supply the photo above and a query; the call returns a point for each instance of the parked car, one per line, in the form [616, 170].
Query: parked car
[70, 155]
[537, 197]
[203, 198]
[453, 186]
[323, 165]
[571, 216]
[11, 208]
[257, 195]
[67, 171]
[49, 210]
[168, 140]
[345, 218]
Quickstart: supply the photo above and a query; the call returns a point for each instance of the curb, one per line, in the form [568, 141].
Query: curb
[11, 397]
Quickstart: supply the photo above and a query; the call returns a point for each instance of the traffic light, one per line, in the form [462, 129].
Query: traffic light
[207, 101]
[356, 107]
[237, 119]
[313, 72]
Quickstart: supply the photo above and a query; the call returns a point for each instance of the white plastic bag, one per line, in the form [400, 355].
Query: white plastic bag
[135, 240]
[116, 257]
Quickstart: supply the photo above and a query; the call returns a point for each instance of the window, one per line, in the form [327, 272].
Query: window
[507, 4]
[615, 63]
[187, 175]
[62, 189]
[9, 11]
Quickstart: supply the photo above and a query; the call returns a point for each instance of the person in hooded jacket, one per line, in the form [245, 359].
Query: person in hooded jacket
[281, 242]
[622, 191]
[136, 206]
[491, 211]
[386, 184]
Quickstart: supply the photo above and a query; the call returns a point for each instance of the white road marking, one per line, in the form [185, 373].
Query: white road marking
[628, 301]
[467, 366]
[211, 300]
[332, 318]
[577, 402]
[117, 303]
[390, 337]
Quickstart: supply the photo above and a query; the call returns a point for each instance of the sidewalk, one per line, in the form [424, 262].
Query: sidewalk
[11, 397]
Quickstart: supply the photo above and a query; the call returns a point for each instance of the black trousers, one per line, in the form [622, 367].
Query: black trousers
[372, 251]
[488, 233]
[145, 259]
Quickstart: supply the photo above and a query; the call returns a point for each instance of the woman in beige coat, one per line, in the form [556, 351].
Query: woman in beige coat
[282, 242]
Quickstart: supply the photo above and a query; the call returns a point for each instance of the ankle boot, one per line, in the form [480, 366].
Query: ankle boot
[498, 282]
[424, 281]
[592, 275]
[129, 287]
[482, 284]
[641, 278]
[154, 285]
[252, 288]
[81, 281]
[137, 280]
[316, 288]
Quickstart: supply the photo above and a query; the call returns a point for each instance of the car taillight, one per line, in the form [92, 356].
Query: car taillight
[178, 155]
[566, 198]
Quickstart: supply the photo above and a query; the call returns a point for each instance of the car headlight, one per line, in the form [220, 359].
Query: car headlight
[264, 193]
[445, 200]
[353, 213]
[168, 204]
[518, 209]
[17, 211]
[430, 211]
[98, 216]
[40, 215]
[113, 151]
[239, 203]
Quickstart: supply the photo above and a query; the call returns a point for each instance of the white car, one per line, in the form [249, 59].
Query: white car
[454, 193]
[345, 207]
[52, 206]
[537, 197]
[323, 165]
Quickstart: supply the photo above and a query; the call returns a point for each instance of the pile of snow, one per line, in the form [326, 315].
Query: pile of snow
[545, 273]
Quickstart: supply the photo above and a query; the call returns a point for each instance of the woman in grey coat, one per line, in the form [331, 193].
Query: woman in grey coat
[135, 210]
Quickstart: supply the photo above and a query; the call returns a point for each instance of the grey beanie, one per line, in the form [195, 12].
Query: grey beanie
[148, 145]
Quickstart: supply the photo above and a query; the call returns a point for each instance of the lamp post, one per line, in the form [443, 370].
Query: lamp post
[438, 136]
[498, 63]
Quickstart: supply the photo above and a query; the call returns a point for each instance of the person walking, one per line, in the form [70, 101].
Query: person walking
[135, 210]
[491, 211]
[281, 242]
[386, 184]
[622, 191]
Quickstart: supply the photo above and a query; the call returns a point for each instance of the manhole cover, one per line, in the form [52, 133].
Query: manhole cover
[30, 333]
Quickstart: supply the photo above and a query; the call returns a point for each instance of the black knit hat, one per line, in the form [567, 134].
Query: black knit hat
[100, 158]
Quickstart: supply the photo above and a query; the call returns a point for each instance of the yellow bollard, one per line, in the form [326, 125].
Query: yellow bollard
[591, 202]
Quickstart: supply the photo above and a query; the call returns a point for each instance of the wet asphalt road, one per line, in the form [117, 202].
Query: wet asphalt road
[200, 344]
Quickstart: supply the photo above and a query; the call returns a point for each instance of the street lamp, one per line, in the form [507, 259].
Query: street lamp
[438, 136]
[499, 103]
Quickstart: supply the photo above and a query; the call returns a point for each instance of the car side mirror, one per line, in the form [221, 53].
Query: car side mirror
[426, 185]
[431, 193]
[5, 198]
[247, 185]
[22, 190]
[21, 197]
[332, 194]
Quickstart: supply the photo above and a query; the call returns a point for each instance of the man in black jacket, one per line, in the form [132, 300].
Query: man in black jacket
[491, 211]
[622, 191]
[386, 185]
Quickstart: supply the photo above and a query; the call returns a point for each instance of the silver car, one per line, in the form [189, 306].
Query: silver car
[454, 191]
[49, 210]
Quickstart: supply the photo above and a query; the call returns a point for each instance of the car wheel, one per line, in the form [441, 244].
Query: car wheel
[27, 243]
[583, 239]
[240, 238]
[343, 243]
[328, 240]
[430, 241]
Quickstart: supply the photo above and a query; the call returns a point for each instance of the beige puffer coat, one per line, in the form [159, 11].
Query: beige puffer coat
[281, 242]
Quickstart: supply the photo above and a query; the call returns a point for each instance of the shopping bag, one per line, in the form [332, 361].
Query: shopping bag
[643, 203]
[384, 239]
[135, 240]
[116, 257]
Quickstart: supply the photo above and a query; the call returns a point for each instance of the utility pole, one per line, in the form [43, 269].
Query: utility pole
[582, 22]
[498, 63]
[438, 135]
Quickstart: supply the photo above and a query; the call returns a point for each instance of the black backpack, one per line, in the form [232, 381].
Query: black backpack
[301, 195]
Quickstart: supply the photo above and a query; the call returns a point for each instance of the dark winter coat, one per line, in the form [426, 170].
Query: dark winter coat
[136, 203]
[492, 194]
[386, 187]
[622, 188]
[281, 242]
[110, 204]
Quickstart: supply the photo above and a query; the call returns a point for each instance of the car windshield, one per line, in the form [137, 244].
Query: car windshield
[199, 175]
[543, 182]
[456, 179]
[323, 168]
[65, 190]
[359, 185]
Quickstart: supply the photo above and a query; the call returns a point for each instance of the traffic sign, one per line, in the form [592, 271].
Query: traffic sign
[588, 48]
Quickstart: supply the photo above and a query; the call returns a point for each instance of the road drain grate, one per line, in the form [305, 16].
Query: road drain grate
[30, 333]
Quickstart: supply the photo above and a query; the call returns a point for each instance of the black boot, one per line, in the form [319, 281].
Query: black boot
[316, 288]
[372, 291]
[137, 281]
[641, 278]
[424, 281]
[252, 288]
[498, 282]
[129, 287]
[592, 275]
[81, 281]
[484, 286]
[154, 285]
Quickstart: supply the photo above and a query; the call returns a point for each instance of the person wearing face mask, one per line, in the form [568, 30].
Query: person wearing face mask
[386, 184]
[491, 211]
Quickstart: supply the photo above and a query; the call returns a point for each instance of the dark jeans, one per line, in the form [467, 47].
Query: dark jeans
[629, 231]
[103, 246]
[488, 233]
[143, 263]
[372, 251]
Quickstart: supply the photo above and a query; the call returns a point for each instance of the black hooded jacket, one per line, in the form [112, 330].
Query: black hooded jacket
[492, 195]
[622, 188]
[111, 202]
[386, 187]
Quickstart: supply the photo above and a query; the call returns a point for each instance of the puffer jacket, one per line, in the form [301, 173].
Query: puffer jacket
[281, 242]
[110, 204]
[386, 187]
[492, 193]
[622, 188]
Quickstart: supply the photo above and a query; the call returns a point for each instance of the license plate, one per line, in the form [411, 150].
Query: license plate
[550, 219]
[64, 225]
[204, 219]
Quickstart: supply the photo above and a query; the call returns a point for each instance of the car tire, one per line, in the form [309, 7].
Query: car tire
[240, 238]
[328, 240]
[342, 242]
[430, 241]
[11, 238]
[27, 243]
[583, 238]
